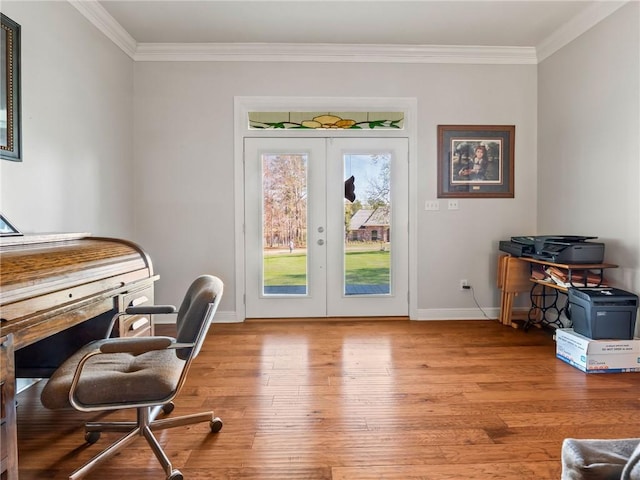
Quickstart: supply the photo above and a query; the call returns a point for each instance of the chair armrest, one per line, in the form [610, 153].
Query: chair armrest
[136, 345]
[150, 310]
[140, 310]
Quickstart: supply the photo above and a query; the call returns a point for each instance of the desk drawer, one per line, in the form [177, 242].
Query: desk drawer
[136, 325]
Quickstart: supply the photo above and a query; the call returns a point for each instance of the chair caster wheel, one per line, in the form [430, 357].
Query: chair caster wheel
[91, 437]
[175, 475]
[167, 408]
[215, 425]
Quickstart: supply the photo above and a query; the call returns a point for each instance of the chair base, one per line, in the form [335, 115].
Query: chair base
[145, 425]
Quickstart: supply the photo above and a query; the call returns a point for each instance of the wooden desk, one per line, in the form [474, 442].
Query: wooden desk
[54, 284]
[515, 275]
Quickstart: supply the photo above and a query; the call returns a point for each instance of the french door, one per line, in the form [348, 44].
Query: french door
[326, 227]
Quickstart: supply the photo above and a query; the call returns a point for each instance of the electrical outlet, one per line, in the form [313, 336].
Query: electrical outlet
[463, 283]
[453, 205]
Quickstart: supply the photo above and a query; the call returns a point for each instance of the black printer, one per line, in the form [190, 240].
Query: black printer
[568, 249]
[600, 313]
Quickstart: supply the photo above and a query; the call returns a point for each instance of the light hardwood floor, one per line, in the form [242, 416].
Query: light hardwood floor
[355, 400]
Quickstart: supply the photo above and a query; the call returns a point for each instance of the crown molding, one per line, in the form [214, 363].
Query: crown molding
[576, 27]
[285, 52]
[288, 52]
[103, 21]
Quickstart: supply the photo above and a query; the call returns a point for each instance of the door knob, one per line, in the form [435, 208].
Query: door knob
[321, 242]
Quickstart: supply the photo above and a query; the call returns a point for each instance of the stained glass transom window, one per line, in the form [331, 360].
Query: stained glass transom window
[326, 120]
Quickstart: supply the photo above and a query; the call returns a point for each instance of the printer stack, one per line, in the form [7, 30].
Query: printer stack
[596, 312]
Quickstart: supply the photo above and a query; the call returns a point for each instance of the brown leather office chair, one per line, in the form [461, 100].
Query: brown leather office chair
[145, 373]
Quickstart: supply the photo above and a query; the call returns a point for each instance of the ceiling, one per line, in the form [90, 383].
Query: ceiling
[519, 23]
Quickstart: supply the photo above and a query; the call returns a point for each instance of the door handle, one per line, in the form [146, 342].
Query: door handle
[321, 242]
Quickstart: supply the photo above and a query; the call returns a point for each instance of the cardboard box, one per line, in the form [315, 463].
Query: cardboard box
[597, 356]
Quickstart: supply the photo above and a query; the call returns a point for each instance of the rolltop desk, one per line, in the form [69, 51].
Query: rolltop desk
[59, 292]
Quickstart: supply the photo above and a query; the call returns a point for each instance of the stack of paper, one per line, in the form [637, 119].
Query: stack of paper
[579, 278]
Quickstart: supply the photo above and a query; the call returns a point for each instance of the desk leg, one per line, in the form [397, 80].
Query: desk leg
[9, 427]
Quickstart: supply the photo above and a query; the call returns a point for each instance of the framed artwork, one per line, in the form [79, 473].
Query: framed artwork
[7, 229]
[10, 126]
[475, 161]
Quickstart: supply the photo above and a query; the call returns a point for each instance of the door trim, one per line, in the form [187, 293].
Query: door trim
[242, 105]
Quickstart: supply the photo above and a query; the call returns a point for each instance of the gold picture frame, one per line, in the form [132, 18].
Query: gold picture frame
[10, 108]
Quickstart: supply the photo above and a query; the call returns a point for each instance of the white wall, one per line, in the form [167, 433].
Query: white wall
[89, 111]
[185, 163]
[589, 141]
[77, 105]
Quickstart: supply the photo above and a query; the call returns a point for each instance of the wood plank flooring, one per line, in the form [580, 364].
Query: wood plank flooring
[356, 400]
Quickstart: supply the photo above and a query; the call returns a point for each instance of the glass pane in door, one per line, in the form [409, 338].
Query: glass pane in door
[367, 220]
[284, 224]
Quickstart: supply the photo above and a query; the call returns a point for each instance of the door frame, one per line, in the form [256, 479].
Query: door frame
[244, 105]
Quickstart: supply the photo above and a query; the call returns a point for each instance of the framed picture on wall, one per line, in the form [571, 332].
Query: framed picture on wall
[10, 126]
[7, 229]
[475, 161]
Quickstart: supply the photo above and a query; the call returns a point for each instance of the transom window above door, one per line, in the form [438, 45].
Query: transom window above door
[326, 120]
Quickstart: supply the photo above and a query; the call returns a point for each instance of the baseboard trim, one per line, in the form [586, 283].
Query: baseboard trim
[462, 313]
[422, 314]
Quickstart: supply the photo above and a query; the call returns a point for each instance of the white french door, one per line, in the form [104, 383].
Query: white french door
[310, 251]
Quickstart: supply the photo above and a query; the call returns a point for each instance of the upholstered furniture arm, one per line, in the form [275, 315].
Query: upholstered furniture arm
[135, 345]
[141, 310]
[631, 469]
[150, 310]
[595, 459]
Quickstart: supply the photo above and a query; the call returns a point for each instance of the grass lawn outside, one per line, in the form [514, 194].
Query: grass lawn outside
[363, 267]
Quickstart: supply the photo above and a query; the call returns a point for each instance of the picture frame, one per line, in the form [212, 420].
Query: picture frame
[10, 106]
[476, 161]
[7, 229]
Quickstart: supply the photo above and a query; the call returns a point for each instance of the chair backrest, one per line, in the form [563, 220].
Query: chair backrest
[196, 313]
